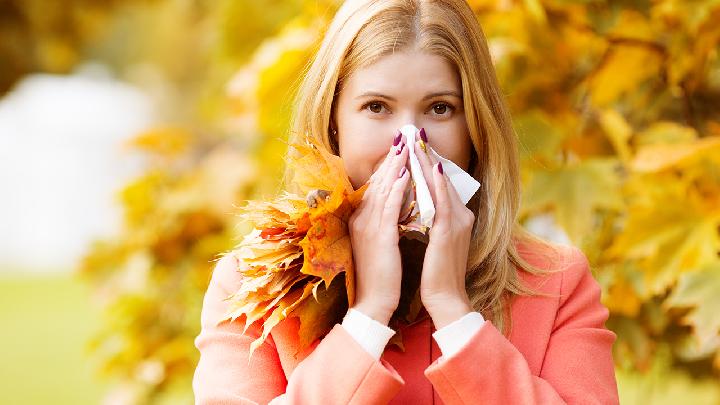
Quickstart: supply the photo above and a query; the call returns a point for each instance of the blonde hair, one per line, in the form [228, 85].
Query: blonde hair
[365, 30]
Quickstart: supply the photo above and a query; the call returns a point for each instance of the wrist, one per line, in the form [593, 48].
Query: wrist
[446, 312]
[374, 311]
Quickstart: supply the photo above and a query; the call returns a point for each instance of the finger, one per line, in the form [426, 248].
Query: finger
[393, 169]
[452, 192]
[427, 167]
[383, 165]
[380, 197]
[370, 197]
[443, 206]
[375, 179]
[365, 205]
[378, 174]
[397, 141]
[393, 204]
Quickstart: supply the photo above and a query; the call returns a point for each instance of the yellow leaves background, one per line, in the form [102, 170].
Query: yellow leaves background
[616, 106]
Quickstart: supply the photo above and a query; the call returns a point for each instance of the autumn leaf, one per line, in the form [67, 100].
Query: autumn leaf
[285, 303]
[663, 156]
[294, 248]
[680, 234]
[624, 67]
[700, 291]
[539, 140]
[326, 246]
[667, 242]
[574, 193]
[622, 295]
[664, 132]
[168, 141]
[314, 168]
[618, 131]
[319, 315]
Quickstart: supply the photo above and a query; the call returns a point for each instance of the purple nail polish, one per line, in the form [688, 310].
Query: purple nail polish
[423, 135]
[440, 169]
[396, 141]
[400, 149]
[402, 171]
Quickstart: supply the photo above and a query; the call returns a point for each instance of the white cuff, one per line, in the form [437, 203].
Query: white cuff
[372, 335]
[453, 336]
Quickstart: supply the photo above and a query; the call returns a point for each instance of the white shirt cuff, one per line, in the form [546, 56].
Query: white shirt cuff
[372, 335]
[453, 336]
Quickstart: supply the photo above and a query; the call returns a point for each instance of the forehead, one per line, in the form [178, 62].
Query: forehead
[405, 72]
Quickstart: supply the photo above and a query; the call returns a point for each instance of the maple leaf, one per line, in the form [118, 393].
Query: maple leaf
[700, 290]
[574, 193]
[654, 158]
[666, 242]
[624, 67]
[295, 247]
[320, 313]
[326, 246]
[680, 235]
[315, 168]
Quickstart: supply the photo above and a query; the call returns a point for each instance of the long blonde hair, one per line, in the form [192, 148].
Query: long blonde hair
[363, 31]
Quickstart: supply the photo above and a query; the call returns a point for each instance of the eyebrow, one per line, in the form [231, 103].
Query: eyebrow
[428, 96]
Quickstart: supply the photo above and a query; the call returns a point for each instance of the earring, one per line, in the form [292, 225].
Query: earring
[334, 131]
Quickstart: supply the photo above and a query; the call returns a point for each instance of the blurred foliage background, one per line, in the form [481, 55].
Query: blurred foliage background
[616, 105]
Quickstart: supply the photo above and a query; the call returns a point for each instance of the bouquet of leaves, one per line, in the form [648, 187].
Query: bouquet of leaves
[300, 242]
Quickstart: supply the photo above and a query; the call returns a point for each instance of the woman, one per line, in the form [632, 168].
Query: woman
[509, 318]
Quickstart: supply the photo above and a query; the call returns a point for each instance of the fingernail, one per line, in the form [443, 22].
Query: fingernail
[440, 169]
[396, 141]
[402, 171]
[423, 135]
[422, 145]
[400, 149]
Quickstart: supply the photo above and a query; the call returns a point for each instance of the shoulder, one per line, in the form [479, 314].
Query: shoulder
[577, 273]
[225, 278]
[579, 302]
[545, 254]
[552, 259]
[566, 265]
[225, 281]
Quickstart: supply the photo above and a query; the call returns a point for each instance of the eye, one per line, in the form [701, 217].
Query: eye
[374, 107]
[442, 108]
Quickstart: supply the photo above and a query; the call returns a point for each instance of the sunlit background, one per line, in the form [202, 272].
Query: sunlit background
[131, 129]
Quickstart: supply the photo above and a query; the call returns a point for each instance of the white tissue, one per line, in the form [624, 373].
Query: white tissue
[463, 182]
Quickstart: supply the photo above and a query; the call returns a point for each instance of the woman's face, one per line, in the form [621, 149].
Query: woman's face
[403, 88]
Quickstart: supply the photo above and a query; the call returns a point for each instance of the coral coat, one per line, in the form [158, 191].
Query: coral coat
[558, 351]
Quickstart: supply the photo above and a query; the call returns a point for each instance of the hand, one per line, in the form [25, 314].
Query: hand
[442, 283]
[374, 238]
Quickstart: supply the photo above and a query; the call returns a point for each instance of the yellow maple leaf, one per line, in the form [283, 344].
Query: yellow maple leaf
[294, 248]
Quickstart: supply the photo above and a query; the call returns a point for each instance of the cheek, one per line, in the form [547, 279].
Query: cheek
[453, 144]
[361, 156]
[463, 152]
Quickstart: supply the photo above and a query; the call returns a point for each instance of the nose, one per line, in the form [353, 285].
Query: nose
[405, 119]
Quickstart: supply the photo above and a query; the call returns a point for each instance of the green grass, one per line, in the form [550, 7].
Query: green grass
[46, 321]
